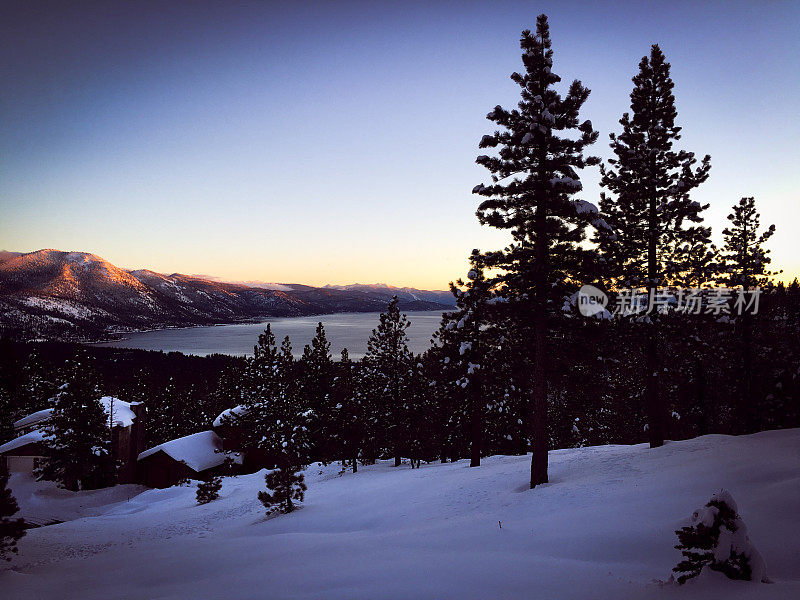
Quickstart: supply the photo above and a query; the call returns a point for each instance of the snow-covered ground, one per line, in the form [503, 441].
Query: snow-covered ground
[602, 529]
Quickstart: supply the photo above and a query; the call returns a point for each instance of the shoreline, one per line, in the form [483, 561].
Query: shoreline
[229, 342]
[127, 334]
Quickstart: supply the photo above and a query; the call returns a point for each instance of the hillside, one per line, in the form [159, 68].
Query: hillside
[78, 295]
[603, 528]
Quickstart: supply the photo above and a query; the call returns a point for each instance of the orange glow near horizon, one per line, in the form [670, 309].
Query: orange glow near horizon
[428, 275]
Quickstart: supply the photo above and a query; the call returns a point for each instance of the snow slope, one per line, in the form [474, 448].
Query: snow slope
[602, 529]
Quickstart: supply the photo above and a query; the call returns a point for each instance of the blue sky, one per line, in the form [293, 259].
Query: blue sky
[335, 142]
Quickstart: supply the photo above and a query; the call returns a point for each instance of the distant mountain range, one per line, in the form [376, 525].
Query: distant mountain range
[77, 295]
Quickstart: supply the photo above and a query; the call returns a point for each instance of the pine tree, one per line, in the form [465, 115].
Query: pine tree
[348, 411]
[369, 395]
[746, 263]
[696, 261]
[656, 224]
[260, 386]
[388, 361]
[717, 539]
[420, 410]
[37, 386]
[472, 298]
[445, 377]
[282, 427]
[77, 440]
[533, 179]
[745, 257]
[287, 484]
[11, 530]
[208, 489]
[317, 371]
[165, 413]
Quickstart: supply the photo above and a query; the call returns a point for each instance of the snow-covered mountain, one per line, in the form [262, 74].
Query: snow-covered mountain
[50, 293]
[403, 293]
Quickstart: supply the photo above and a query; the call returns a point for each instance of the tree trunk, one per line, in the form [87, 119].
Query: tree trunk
[700, 382]
[745, 413]
[655, 411]
[476, 422]
[288, 489]
[538, 419]
[538, 422]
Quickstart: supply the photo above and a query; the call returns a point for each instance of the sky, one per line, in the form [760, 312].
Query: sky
[334, 142]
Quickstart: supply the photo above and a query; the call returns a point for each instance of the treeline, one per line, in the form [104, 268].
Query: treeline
[181, 391]
[434, 406]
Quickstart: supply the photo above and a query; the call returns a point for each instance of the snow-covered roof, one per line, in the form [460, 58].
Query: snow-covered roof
[200, 451]
[33, 419]
[122, 414]
[23, 440]
[229, 413]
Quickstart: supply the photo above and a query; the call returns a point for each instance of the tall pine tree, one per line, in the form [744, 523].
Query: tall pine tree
[656, 224]
[472, 298]
[533, 180]
[260, 386]
[348, 411]
[388, 366]
[746, 263]
[284, 431]
[316, 372]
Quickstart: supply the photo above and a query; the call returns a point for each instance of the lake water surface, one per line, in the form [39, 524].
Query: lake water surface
[346, 330]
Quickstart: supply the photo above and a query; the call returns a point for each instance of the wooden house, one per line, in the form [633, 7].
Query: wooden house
[127, 423]
[193, 456]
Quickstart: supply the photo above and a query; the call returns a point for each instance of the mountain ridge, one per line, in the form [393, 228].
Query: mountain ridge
[51, 293]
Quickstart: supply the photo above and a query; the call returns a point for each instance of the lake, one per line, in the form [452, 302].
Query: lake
[345, 330]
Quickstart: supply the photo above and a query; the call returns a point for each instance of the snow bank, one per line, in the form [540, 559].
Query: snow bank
[42, 502]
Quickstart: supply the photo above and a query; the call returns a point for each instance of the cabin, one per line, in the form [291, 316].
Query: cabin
[194, 456]
[23, 453]
[190, 457]
[126, 420]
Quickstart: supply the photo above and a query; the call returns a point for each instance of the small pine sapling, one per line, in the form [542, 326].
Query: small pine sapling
[208, 489]
[287, 484]
[717, 538]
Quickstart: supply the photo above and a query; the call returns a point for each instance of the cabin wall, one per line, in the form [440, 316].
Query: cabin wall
[20, 464]
[160, 470]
